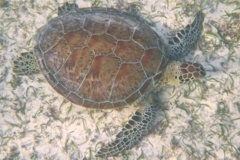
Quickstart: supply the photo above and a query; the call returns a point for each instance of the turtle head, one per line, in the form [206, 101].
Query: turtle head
[182, 72]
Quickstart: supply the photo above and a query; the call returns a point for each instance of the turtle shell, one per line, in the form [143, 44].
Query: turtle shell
[99, 57]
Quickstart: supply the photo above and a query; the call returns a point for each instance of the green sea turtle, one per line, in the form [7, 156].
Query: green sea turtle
[106, 58]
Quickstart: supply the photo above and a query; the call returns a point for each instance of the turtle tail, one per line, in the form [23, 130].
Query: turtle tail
[186, 39]
[131, 134]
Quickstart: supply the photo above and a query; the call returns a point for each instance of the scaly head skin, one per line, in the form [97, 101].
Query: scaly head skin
[141, 123]
[179, 46]
[178, 73]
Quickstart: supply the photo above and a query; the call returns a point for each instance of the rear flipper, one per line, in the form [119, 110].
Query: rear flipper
[66, 8]
[26, 64]
[186, 39]
[181, 72]
[131, 134]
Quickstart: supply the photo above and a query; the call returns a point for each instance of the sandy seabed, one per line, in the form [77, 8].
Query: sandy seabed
[200, 120]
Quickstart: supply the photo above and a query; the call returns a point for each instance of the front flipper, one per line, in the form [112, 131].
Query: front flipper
[186, 39]
[131, 134]
[26, 64]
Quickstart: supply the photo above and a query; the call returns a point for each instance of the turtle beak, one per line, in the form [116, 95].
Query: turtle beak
[202, 71]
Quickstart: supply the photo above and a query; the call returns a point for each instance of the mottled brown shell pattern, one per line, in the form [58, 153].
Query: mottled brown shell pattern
[100, 58]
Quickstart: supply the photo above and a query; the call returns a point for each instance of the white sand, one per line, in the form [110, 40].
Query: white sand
[202, 119]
